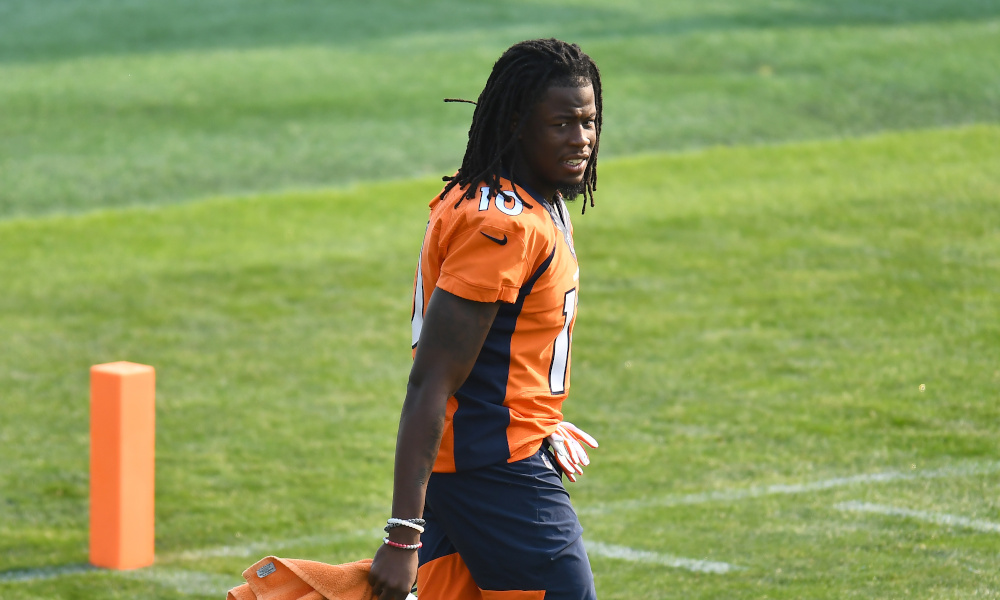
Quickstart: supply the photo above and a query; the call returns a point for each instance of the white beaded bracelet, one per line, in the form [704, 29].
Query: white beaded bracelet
[405, 523]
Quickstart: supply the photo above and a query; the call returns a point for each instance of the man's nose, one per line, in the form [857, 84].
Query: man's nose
[581, 136]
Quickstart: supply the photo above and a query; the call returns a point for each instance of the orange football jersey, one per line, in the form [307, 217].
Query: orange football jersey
[518, 250]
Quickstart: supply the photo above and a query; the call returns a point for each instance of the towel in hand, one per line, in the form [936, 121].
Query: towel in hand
[273, 578]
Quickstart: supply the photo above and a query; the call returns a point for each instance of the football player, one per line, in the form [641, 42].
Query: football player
[479, 506]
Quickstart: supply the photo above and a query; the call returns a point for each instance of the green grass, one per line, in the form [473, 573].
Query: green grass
[750, 317]
[127, 102]
[797, 226]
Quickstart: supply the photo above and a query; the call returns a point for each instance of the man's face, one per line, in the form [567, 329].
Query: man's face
[557, 140]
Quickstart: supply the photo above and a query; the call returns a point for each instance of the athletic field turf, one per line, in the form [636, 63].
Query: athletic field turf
[789, 332]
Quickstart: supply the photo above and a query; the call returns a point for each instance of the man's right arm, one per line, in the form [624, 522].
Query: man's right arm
[451, 337]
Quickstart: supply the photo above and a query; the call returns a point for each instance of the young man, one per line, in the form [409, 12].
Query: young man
[477, 503]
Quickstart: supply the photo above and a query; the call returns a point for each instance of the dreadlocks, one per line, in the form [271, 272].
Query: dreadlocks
[519, 80]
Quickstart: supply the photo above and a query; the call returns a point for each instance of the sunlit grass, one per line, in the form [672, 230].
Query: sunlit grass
[766, 326]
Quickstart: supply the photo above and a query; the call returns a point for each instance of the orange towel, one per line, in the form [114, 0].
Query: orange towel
[274, 578]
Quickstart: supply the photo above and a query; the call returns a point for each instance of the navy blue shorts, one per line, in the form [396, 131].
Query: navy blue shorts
[513, 527]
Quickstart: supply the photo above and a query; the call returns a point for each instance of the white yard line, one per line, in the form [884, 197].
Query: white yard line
[264, 548]
[733, 495]
[189, 583]
[198, 583]
[193, 581]
[921, 515]
[657, 558]
[45, 573]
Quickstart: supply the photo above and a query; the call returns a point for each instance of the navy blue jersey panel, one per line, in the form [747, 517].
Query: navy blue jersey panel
[481, 419]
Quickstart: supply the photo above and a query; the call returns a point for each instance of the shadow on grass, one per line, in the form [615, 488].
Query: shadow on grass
[32, 30]
[825, 13]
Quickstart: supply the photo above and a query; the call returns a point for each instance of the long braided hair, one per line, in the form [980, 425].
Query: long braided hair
[519, 80]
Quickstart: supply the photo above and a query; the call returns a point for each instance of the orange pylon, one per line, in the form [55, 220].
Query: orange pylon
[122, 464]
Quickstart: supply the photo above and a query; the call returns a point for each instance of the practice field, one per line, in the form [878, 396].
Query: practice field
[788, 342]
[108, 103]
[750, 352]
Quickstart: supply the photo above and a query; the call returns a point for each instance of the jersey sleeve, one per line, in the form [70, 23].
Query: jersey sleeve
[486, 261]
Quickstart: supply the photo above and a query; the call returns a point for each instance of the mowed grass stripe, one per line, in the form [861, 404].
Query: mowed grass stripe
[98, 115]
[749, 317]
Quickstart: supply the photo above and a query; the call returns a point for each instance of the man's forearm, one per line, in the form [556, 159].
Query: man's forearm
[450, 341]
[420, 428]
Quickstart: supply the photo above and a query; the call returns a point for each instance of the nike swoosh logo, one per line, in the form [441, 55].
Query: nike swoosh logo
[501, 241]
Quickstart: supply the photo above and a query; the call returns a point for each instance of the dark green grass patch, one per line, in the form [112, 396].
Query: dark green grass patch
[115, 103]
[755, 325]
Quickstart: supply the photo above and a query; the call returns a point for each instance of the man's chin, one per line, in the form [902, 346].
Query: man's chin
[570, 192]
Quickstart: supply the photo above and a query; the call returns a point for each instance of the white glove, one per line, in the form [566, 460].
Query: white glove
[570, 454]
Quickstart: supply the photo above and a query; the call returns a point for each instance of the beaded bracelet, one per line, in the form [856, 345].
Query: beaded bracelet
[417, 524]
[389, 542]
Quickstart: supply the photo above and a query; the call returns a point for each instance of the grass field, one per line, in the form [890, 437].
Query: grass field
[797, 227]
[127, 102]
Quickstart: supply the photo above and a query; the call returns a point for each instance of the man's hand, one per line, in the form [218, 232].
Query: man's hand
[570, 454]
[393, 573]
